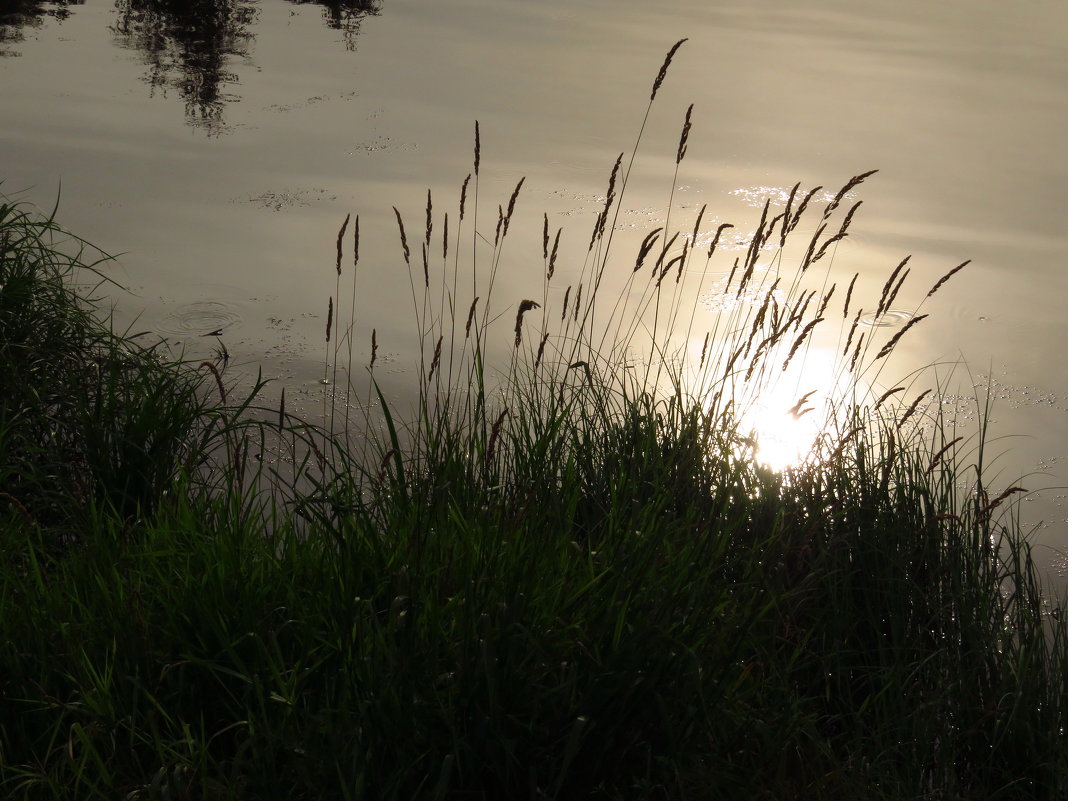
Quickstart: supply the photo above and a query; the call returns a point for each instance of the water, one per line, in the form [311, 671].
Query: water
[221, 157]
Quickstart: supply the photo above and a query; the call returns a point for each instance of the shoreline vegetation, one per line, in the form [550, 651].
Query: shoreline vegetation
[569, 575]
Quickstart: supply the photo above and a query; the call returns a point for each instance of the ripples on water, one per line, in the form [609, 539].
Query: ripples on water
[204, 318]
[891, 318]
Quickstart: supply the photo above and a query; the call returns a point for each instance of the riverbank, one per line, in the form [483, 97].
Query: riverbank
[573, 580]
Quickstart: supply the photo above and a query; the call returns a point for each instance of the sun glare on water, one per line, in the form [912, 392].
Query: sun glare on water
[787, 415]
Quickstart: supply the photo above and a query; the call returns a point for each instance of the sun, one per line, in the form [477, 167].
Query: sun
[789, 411]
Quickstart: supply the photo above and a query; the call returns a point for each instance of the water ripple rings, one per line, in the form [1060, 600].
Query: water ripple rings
[204, 318]
[891, 318]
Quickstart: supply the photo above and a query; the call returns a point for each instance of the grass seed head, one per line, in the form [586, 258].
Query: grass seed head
[856, 354]
[524, 307]
[602, 218]
[436, 359]
[697, 223]
[470, 318]
[912, 409]
[984, 513]
[340, 236]
[429, 216]
[893, 292]
[511, 204]
[887, 394]
[478, 148]
[647, 245]
[800, 339]
[404, 238]
[889, 346]
[664, 68]
[802, 206]
[937, 458]
[850, 185]
[715, 239]
[947, 276]
[826, 300]
[463, 195]
[541, 349]
[495, 432]
[785, 229]
[849, 295]
[852, 330]
[685, 135]
[218, 379]
[887, 286]
[552, 255]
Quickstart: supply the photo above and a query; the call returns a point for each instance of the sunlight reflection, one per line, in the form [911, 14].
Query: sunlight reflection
[789, 412]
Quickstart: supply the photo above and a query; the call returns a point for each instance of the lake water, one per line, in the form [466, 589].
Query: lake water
[219, 145]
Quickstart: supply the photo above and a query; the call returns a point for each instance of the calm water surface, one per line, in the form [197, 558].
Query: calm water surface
[219, 149]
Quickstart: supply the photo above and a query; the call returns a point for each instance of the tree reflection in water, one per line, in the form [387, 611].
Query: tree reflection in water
[18, 14]
[190, 46]
[345, 15]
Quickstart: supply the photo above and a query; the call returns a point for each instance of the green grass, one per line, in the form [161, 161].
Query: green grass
[566, 576]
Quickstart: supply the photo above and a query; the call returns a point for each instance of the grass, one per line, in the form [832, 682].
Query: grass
[568, 575]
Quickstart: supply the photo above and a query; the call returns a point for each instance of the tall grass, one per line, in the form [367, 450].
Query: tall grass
[569, 574]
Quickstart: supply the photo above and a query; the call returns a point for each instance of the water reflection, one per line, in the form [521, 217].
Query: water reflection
[789, 412]
[345, 15]
[189, 45]
[15, 15]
